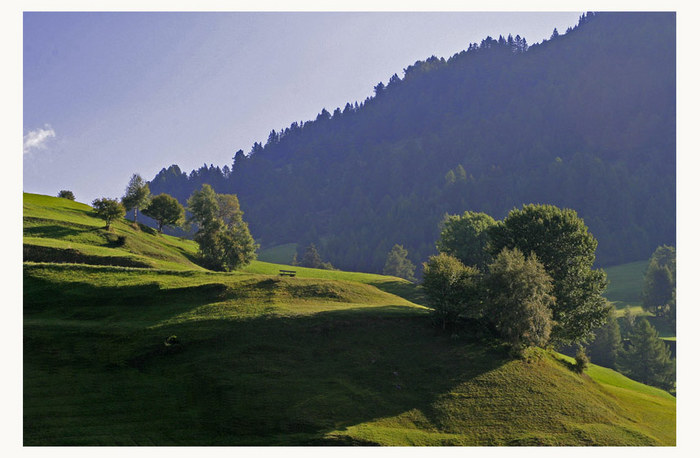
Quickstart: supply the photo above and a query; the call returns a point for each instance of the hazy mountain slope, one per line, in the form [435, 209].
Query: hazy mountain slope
[585, 120]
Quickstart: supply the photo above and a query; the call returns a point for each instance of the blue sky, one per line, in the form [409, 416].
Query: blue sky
[107, 95]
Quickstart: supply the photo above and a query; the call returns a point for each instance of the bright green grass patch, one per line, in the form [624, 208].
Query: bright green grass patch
[66, 225]
[535, 402]
[54, 208]
[392, 285]
[280, 254]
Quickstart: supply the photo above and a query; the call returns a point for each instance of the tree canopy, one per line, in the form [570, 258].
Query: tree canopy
[65, 194]
[562, 243]
[137, 195]
[453, 289]
[108, 210]
[225, 242]
[465, 237]
[520, 300]
[166, 210]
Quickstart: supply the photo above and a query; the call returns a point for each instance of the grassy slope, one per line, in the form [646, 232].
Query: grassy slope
[324, 357]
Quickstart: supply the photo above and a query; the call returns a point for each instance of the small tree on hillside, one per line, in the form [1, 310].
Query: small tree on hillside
[65, 194]
[648, 359]
[137, 195]
[398, 264]
[108, 210]
[520, 300]
[166, 210]
[453, 289]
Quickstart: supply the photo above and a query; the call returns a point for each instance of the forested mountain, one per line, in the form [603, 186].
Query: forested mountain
[584, 120]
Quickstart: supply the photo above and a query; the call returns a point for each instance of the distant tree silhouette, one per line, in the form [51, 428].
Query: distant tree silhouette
[65, 194]
[398, 264]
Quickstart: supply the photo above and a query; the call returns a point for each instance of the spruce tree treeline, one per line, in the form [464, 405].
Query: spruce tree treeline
[513, 123]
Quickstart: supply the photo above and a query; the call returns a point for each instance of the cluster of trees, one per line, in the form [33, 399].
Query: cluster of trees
[633, 349]
[225, 242]
[487, 129]
[531, 278]
[631, 344]
[531, 275]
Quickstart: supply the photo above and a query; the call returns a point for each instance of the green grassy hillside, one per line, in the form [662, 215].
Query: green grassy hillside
[326, 357]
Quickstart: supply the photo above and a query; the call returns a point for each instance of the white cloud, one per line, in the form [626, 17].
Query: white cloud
[37, 138]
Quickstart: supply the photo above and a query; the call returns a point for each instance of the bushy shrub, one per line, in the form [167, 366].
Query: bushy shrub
[65, 194]
[453, 289]
[581, 360]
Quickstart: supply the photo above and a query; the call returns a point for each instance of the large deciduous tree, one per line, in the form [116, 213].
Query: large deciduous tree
[562, 243]
[225, 242]
[108, 210]
[166, 210]
[137, 195]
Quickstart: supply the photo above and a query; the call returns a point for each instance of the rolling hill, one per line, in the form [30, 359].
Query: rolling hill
[167, 353]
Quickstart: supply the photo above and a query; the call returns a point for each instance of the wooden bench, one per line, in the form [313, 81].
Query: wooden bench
[290, 273]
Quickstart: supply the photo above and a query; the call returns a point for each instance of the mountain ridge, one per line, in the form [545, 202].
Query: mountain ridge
[585, 120]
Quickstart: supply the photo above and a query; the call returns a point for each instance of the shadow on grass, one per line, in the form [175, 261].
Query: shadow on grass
[53, 231]
[292, 380]
[409, 291]
[266, 380]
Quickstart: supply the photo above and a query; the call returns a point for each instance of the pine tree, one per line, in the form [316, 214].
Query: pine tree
[311, 258]
[648, 359]
[398, 264]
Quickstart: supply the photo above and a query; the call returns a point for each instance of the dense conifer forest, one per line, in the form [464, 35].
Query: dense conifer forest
[585, 120]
